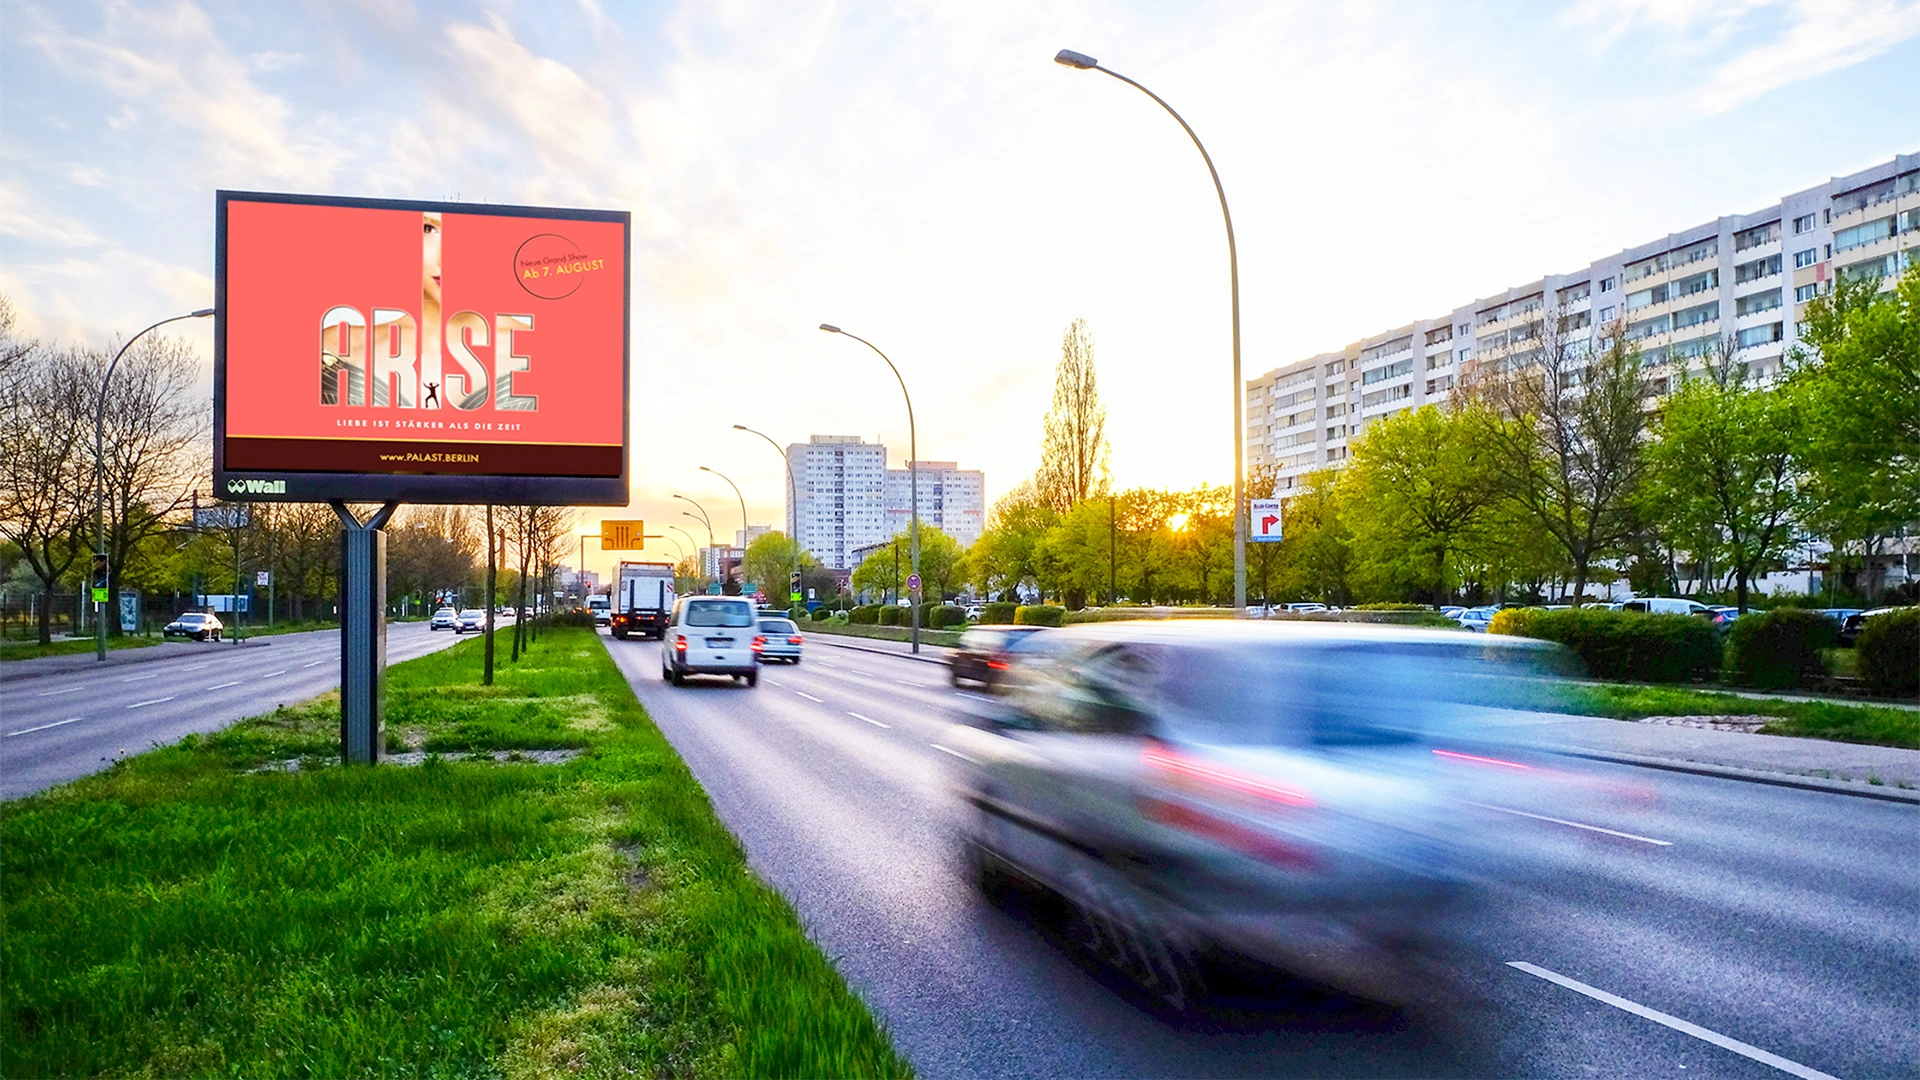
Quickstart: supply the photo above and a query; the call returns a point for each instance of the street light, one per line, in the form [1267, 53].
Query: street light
[737, 495]
[793, 503]
[708, 522]
[692, 544]
[913, 476]
[1069, 58]
[100, 481]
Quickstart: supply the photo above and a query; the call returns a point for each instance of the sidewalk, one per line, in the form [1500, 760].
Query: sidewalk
[1815, 764]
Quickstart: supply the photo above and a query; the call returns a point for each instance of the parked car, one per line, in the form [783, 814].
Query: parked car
[1307, 608]
[1666, 605]
[710, 635]
[1286, 792]
[1840, 614]
[1476, 619]
[471, 621]
[198, 625]
[986, 653]
[779, 640]
[1850, 629]
[444, 619]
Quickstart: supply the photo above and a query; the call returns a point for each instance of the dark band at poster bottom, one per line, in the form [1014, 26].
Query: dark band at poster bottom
[412, 457]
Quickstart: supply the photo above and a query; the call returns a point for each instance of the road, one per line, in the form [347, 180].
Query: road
[61, 725]
[1772, 928]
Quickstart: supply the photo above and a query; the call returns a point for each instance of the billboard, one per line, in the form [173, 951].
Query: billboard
[380, 350]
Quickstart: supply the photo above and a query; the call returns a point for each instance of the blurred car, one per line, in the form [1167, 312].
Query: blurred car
[472, 620]
[1839, 614]
[778, 640]
[1851, 626]
[1450, 610]
[198, 625]
[1307, 608]
[1666, 605]
[444, 619]
[1723, 614]
[1276, 791]
[1476, 619]
[985, 653]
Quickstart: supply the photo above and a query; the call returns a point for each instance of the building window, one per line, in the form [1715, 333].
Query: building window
[1606, 284]
[1646, 328]
[1440, 334]
[1757, 302]
[1756, 269]
[1439, 385]
[1806, 292]
[1391, 393]
[1336, 367]
[1694, 316]
[1573, 294]
[1806, 258]
[1464, 354]
[1339, 409]
[1804, 223]
[1439, 360]
[1336, 453]
[1759, 335]
[1607, 314]
[1390, 371]
[1754, 237]
[1646, 297]
[1862, 235]
[1386, 348]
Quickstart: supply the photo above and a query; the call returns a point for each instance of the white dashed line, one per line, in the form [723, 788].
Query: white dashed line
[809, 697]
[869, 720]
[141, 678]
[968, 694]
[50, 693]
[43, 727]
[951, 750]
[316, 663]
[155, 701]
[271, 674]
[907, 682]
[224, 685]
[1577, 825]
[1673, 1022]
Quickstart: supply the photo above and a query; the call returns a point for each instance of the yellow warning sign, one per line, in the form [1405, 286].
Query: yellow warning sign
[622, 535]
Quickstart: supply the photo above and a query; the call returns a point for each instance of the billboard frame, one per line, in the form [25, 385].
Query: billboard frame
[421, 488]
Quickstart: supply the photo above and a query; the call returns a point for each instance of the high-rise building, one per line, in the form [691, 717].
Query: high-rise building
[840, 496]
[1743, 279]
[952, 499]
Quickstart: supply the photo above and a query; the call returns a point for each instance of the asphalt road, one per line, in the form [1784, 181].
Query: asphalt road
[62, 722]
[1776, 920]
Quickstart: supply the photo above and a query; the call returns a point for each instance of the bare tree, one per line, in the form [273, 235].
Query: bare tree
[45, 467]
[1073, 451]
[1567, 433]
[13, 347]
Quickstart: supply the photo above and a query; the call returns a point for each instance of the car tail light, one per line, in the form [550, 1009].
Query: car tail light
[1455, 755]
[997, 665]
[679, 643]
[759, 642]
[1207, 777]
[795, 640]
[1241, 838]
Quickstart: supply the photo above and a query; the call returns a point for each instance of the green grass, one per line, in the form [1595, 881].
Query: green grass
[32, 650]
[181, 914]
[1874, 724]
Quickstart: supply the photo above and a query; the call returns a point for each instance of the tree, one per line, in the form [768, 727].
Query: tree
[943, 566]
[769, 561]
[1007, 555]
[1418, 497]
[689, 578]
[45, 465]
[1565, 428]
[1722, 469]
[1316, 551]
[1073, 450]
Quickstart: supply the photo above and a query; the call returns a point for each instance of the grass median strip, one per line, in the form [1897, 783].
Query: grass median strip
[1878, 725]
[191, 912]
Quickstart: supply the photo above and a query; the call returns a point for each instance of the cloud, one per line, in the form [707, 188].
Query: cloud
[269, 60]
[24, 220]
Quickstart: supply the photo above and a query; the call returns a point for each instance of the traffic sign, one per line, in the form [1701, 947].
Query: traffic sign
[713, 588]
[622, 535]
[913, 582]
[263, 578]
[1266, 520]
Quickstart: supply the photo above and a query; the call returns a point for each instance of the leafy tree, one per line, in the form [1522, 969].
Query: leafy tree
[45, 464]
[1316, 554]
[1073, 451]
[1419, 496]
[769, 562]
[1723, 470]
[943, 566]
[153, 444]
[1008, 554]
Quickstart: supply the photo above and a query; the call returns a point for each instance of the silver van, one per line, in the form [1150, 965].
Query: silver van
[710, 635]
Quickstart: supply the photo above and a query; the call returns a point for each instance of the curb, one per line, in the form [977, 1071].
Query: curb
[822, 639]
[1751, 776]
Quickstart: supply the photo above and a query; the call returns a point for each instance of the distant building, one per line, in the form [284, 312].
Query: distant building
[952, 499]
[840, 493]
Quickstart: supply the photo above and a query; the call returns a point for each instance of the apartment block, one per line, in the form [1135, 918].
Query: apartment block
[840, 496]
[1744, 278]
[952, 499]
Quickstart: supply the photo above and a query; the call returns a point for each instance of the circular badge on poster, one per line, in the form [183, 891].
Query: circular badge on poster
[552, 267]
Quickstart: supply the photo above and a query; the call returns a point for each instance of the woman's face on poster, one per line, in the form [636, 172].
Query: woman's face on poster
[430, 257]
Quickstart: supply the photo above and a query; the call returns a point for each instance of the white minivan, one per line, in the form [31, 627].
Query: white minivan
[710, 635]
[1666, 605]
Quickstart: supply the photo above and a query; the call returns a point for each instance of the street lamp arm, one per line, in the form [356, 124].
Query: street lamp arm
[913, 474]
[736, 494]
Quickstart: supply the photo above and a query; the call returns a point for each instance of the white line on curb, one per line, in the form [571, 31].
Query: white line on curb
[155, 701]
[809, 697]
[1577, 825]
[1674, 1022]
[869, 720]
[43, 727]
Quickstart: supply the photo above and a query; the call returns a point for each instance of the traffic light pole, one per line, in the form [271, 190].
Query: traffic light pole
[363, 633]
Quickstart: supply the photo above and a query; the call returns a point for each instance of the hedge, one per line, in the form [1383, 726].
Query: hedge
[1517, 622]
[1888, 649]
[1634, 647]
[821, 614]
[1778, 649]
[892, 615]
[1040, 615]
[946, 615]
[999, 613]
[798, 613]
[867, 614]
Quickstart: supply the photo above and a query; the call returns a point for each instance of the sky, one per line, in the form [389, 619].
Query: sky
[922, 174]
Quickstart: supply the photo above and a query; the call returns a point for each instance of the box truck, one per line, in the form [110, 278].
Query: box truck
[642, 599]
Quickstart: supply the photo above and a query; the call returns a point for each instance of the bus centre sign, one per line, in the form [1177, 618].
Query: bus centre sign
[377, 350]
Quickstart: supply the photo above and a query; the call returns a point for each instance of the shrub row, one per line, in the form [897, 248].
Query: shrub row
[1778, 649]
[1888, 649]
[999, 613]
[1040, 615]
[1628, 645]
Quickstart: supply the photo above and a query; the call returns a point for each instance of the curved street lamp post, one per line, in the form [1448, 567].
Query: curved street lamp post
[793, 507]
[704, 520]
[913, 478]
[1069, 58]
[743, 518]
[100, 482]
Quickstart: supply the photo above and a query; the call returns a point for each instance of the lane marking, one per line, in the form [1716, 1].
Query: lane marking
[809, 697]
[1577, 825]
[1673, 1022]
[951, 750]
[197, 667]
[141, 678]
[316, 663]
[43, 727]
[868, 674]
[869, 720]
[909, 682]
[224, 685]
[823, 663]
[155, 701]
[970, 694]
[271, 674]
[50, 693]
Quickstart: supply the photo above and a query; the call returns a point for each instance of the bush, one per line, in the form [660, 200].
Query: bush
[892, 615]
[1389, 606]
[946, 615]
[999, 613]
[798, 613]
[1778, 649]
[822, 614]
[1630, 646]
[867, 614]
[579, 617]
[1040, 615]
[838, 618]
[1515, 621]
[1889, 652]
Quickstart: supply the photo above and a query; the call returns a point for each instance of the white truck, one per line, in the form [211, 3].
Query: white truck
[642, 599]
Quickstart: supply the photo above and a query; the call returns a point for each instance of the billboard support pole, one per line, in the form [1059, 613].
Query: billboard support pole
[363, 632]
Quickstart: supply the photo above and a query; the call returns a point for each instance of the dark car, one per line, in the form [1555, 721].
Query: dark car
[198, 625]
[1850, 627]
[986, 653]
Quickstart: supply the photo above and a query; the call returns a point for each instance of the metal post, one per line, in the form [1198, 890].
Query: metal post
[793, 506]
[913, 476]
[1080, 60]
[363, 633]
[743, 517]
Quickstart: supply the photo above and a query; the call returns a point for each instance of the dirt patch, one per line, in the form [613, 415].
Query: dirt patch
[1747, 724]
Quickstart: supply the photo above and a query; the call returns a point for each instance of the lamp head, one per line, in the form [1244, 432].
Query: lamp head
[739, 427]
[1069, 58]
[703, 468]
[830, 328]
[202, 313]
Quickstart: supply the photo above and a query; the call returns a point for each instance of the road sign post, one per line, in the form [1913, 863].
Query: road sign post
[363, 634]
[1264, 521]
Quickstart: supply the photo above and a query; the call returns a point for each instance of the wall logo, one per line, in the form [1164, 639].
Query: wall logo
[257, 487]
[551, 267]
